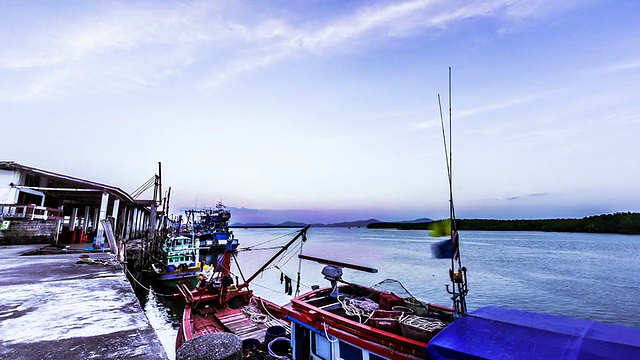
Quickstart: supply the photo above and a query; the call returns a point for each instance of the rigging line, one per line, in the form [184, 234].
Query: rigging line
[251, 249]
[144, 287]
[304, 238]
[401, 285]
[444, 139]
[151, 180]
[235, 260]
[151, 255]
[292, 254]
[145, 186]
[279, 237]
[298, 283]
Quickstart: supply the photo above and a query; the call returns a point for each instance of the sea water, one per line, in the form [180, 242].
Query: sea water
[588, 276]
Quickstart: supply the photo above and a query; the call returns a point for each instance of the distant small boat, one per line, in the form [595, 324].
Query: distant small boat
[180, 261]
[210, 228]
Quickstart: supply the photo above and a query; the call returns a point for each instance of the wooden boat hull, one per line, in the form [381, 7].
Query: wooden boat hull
[324, 315]
[248, 317]
[170, 279]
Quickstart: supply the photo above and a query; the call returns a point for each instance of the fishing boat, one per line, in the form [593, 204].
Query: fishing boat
[179, 261]
[210, 228]
[221, 305]
[352, 321]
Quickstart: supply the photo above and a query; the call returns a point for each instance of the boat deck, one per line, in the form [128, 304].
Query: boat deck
[245, 326]
[247, 322]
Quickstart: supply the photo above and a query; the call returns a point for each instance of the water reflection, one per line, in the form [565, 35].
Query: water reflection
[162, 307]
[576, 275]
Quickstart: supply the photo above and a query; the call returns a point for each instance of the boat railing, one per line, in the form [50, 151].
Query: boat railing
[31, 212]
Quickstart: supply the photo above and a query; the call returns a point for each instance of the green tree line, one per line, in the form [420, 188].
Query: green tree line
[617, 223]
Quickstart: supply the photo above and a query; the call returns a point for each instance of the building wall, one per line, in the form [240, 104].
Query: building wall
[7, 194]
[23, 231]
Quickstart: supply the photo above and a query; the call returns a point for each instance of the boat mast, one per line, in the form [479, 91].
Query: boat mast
[302, 233]
[458, 277]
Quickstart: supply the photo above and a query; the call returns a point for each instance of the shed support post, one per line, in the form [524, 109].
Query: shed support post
[58, 224]
[103, 215]
[72, 219]
[85, 224]
[114, 215]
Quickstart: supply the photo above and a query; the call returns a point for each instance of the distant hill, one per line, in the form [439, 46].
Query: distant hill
[417, 224]
[357, 223]
[292, 223]
[421, 220]
[251, 225]
[621, 223]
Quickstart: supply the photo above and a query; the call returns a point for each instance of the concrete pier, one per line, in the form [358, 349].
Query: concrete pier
[52, 307]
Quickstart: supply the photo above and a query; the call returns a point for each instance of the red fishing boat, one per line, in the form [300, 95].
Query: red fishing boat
[220, 305]
[351, 321]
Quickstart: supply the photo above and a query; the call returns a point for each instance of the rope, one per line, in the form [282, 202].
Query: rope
[358, 307]
[268, 241]
[144, 287]
[386, 281]
[268, 288]
[254, 314]
[327, 335]
[421, 323]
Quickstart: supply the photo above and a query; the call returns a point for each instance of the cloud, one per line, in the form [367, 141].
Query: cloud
[623, 66]
[538, 194]
[113, 47]
[527, 195]
[496, 106]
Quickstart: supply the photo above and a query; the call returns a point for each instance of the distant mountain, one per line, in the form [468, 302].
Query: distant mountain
[421, 220]
[357, 223]
[292, 223]
[417, 224]
[251, 225]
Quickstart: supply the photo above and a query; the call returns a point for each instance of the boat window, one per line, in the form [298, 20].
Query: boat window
[375, 357]
[350, 352]
[321, 347]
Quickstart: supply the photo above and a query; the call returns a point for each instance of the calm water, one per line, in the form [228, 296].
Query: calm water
[589, 276]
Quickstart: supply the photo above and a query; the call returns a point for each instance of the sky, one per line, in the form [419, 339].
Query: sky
[328, 110]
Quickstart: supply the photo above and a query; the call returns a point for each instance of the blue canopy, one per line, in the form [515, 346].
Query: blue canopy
[495, 332]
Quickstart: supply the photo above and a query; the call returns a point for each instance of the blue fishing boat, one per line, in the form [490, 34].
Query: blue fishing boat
[209, 227]
[180, 261]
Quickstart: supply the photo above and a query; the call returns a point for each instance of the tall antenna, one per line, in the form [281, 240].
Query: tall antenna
[458, 276]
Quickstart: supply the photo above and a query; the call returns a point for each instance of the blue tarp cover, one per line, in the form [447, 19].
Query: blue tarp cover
[501, 333]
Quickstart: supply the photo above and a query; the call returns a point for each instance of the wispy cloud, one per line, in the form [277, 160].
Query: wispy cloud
[527, 195]
[496, 106]
[622, 66]
[119, 46]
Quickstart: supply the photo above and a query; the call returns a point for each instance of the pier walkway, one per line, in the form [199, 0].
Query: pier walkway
[52, 307]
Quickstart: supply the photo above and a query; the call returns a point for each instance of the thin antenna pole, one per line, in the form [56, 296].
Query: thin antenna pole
[451, 218]
[452, 215]
[444, 140]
